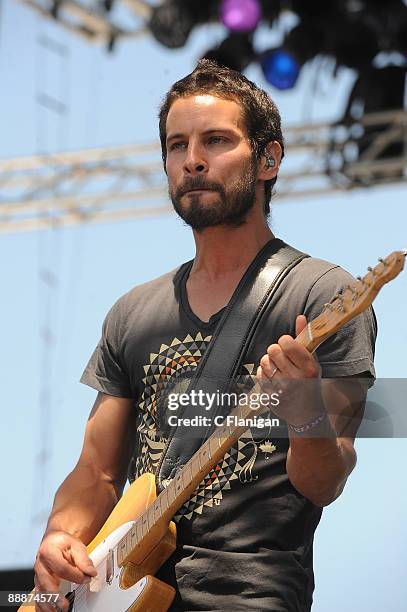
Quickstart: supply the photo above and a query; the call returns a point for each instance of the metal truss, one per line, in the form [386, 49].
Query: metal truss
[128, 182]
[97, 22]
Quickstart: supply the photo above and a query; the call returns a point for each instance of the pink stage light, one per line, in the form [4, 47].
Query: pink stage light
[240, 15]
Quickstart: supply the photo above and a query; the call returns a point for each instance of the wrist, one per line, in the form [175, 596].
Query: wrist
[317, 426]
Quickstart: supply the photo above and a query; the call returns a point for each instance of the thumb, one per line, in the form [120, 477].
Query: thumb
[82, 561]
[300, 324]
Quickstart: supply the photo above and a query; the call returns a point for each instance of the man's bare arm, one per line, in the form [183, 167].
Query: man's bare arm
[318, 467]
[90, 492]
[86, 497]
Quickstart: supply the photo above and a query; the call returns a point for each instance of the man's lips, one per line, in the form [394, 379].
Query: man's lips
[198, 189]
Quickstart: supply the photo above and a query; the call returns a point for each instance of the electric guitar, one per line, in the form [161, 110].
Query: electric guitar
[139, 535]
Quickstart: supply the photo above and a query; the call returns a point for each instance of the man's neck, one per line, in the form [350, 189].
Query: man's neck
[224, 250]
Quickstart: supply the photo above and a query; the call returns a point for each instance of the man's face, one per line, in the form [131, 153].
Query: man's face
[212, 173]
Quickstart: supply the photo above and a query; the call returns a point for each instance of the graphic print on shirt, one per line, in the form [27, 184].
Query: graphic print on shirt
[180, 358]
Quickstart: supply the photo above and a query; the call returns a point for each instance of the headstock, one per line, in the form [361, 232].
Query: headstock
[356, 297]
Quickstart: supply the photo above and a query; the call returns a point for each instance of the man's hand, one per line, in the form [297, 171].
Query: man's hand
[61, 556]
[290, 363]
[291, 359]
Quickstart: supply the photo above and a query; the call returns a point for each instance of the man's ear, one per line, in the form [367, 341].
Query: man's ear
[270, 161]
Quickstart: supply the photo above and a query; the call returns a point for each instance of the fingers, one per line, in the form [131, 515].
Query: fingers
[81, 559]
[291, 359]
[300, 324]
[290, 362]
[61, 556]
[47, 582]
[62, 564]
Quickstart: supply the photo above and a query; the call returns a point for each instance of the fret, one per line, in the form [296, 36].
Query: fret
[171, 492]
[139, 530]
[150, 517]
[157, 509]
[144, 524]
[191, 470]
[213, 449]
[163, 505]
[133, 537]
[204, 452]
[195, 465]
[179, 483]
[168, 499]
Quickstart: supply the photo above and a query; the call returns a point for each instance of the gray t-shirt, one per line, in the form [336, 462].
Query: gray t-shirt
[245, 537]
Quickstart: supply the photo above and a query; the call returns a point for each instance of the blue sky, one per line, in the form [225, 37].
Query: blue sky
[113, 99]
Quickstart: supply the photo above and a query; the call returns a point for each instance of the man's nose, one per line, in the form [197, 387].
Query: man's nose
[195, 162]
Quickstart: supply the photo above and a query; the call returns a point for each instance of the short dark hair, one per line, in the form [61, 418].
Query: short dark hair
[261, 116]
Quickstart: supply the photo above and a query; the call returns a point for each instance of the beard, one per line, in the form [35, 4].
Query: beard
[230, 207]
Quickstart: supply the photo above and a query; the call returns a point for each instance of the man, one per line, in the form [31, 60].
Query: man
[245, 538]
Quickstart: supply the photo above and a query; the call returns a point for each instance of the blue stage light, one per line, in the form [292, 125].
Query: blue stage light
[280, 68]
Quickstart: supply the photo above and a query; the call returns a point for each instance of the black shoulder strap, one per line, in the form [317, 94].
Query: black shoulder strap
[223, 356]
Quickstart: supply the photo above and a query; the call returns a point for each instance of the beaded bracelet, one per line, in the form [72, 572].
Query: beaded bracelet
[310, 425]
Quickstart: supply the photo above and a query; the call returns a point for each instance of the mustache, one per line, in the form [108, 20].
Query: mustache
[197, 182]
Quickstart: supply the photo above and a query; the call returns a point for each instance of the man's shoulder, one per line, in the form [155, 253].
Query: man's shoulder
[312, 283]
[312, 272]
[316, 267]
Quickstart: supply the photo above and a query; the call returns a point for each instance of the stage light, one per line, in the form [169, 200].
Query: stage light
[240, 15]
[171, 23]
[235, 52]
[280, 68]
[358, 47]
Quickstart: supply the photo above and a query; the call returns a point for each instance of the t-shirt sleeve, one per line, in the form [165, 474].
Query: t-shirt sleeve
[105, 370]
[350, 350]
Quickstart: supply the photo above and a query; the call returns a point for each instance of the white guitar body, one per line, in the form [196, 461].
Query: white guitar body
[104, 593]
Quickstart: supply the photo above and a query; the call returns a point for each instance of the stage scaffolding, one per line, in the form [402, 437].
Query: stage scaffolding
[128, 182]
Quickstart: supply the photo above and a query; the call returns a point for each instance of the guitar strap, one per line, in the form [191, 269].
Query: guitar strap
[223, 357]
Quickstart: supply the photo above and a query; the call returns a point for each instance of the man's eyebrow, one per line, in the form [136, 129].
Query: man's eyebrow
[206, 132]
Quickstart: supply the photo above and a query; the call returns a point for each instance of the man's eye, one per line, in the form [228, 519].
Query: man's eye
[177, 145]
[217, 139]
